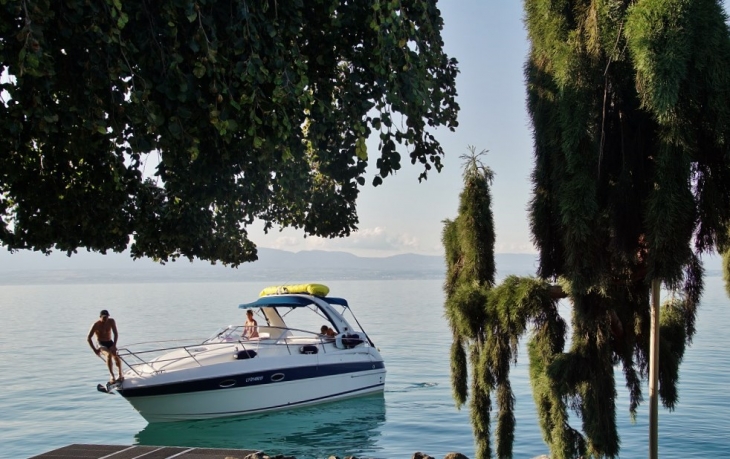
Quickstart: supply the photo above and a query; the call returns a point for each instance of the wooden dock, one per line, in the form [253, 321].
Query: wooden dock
[146, 452]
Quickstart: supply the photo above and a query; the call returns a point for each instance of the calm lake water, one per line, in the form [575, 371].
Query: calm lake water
[48, 376]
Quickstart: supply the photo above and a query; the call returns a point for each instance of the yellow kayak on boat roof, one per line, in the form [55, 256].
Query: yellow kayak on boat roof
[309, 289]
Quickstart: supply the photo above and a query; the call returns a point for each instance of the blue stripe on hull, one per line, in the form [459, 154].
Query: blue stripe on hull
[251, 379]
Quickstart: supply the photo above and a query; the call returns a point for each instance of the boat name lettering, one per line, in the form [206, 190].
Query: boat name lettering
[254, 378]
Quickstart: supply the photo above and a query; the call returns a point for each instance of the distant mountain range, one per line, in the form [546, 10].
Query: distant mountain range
[275, 266]
[272, 265]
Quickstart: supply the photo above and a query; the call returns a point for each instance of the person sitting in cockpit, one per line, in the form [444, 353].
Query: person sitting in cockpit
[250, 328]
[327, 332]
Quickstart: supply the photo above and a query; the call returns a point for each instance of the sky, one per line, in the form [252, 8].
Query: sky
[489, 40]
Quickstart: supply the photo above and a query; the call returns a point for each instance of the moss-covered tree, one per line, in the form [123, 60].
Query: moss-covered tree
[247, 109]
[486, 320]
[630, 106]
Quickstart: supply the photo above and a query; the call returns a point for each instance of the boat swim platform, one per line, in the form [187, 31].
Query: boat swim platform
[79, 451]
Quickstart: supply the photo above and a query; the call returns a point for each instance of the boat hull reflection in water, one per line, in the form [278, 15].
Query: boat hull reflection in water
[349, 427]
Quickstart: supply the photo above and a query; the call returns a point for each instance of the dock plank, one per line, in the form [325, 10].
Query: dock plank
[85, 451]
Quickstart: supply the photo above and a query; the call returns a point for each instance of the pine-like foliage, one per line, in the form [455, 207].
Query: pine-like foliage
[469, 246]
[630, 106]
[487, 321]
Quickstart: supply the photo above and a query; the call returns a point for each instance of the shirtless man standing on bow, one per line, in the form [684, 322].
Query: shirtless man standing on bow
[106, 333]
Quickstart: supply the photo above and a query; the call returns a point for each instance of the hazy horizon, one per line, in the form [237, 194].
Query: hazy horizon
[274, 266]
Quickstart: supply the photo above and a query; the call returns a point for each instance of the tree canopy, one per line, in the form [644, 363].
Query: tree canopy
[174, 124]
[630, 108]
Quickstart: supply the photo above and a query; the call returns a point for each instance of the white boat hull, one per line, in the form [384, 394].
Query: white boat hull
[255, 399]
[236, 387]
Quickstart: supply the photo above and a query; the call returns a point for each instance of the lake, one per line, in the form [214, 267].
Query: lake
[48, 376]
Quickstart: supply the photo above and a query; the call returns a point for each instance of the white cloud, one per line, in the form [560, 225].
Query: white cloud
[376, 241]
[282, 242]
[514, 247]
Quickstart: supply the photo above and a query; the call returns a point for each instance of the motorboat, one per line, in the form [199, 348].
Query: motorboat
[287, 360]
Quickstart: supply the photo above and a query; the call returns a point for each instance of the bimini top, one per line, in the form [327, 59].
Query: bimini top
[292, 301]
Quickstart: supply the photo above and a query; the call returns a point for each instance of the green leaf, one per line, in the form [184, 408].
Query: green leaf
[174, 128]
[122, 21]
[286, 154]
[361, 149]
[199, 70]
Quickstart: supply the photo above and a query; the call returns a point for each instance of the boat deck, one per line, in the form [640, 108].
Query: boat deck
[79, 451]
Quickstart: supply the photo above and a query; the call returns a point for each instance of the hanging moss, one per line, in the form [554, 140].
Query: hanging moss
[564, 441]
[726, 270]
[673, 334]
[630, 109]
[480, 407]
[610, 327]
[459, 372]
[489, 320]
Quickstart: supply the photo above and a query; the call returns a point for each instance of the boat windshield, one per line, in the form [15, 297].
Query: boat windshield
[312, 318]
[225, 334]
[308, 319]
[274, 322]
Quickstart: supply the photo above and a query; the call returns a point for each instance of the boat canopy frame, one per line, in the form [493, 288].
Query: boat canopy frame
[296, 300]
[292, 301]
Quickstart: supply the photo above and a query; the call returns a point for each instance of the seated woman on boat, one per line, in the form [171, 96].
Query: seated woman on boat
[327, 332]
[250, 328]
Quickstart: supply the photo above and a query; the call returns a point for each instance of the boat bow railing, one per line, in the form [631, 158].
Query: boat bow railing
[155, 356]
